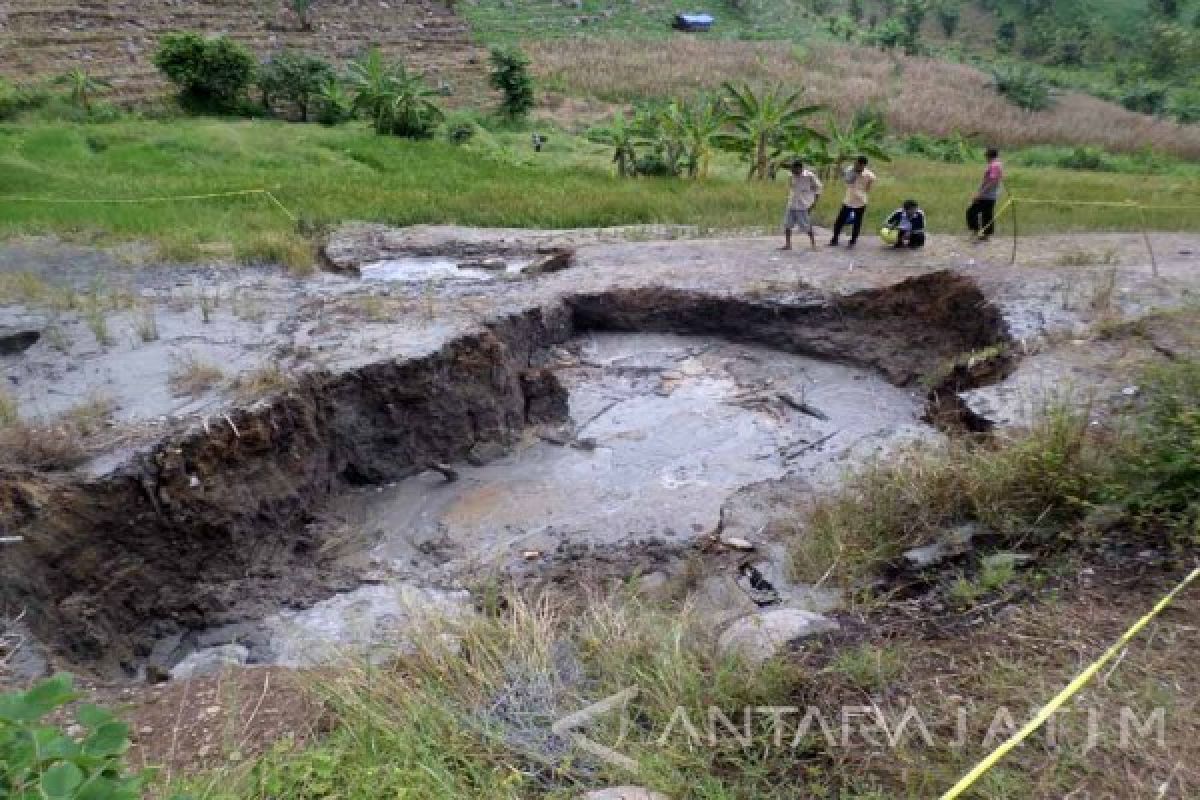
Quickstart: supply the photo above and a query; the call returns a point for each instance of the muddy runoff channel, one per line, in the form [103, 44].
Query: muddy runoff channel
[598, 436]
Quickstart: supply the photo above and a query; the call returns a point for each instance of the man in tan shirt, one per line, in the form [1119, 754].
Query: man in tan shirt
[859, 181]
[806, 191]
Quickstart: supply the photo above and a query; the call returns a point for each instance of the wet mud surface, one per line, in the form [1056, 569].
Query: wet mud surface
[603, 419]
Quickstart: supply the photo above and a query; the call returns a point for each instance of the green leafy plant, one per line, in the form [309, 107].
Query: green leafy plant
[395, 100]
[889, 34]
[211, 74]
[763, 123]
[954, 149]
[912, 16]
[296, 79]
[1023, 86]
[623, 138]
[949, 13]
[302, 9]
[81, 87]
[38, 760]
[334, 104]
[510, 75]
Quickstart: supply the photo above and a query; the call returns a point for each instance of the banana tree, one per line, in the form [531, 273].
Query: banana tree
[82, 87]
[853, 140]
[623, 137]
[699, 125]
[761, 124]
[370, 80]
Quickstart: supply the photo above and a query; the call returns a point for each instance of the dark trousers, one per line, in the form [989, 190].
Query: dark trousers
[843, 217]
[915, 240]
[980, 216]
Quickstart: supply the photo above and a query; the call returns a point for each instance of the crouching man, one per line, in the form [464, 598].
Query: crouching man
[905, 227]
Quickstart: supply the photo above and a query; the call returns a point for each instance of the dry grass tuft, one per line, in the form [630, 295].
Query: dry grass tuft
[917, 95]
[1086, 258]
[192, 376]
[268, 379]
[9, 413]
[50, 447]
[274, 247]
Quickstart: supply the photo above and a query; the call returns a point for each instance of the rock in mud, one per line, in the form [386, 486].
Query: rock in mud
[485, 453]
[762, 636]
[624, 793]
[552, 262]
[210, 661]
[956, 543]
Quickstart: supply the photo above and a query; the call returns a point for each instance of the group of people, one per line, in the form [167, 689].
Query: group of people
[904, 227]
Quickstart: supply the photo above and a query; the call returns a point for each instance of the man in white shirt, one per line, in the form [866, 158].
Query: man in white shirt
[859, 181]
[806, 190]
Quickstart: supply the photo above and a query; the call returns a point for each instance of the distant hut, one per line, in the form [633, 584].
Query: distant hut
[693, 23]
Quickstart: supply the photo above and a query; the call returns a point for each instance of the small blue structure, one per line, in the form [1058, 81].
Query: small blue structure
[693, 22]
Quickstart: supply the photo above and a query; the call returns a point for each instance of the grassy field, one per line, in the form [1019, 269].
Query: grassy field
[329, 175]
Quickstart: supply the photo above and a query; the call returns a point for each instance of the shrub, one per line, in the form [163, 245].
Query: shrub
[40, 760]
[295, 78]
[1088, 158]
[1023, 86]
[912, 15]
[1185, 106]
[956, 149]
[889, 35]
[1161, 483]
[510, 74]
[1006, 36]
[949, 12]
[1145, 97]
[14, 99]
[211, 74]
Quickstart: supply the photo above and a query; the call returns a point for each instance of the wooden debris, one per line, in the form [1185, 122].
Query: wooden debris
[803, 407]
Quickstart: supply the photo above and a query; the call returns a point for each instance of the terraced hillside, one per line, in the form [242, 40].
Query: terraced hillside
[115, 40]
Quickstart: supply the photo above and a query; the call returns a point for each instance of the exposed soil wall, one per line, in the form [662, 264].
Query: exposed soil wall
[212, 519]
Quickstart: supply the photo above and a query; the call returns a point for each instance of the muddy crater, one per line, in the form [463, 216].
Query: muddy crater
[611, 428]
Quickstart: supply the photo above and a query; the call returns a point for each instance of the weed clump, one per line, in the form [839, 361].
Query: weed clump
[1038, 486]
[193, 376]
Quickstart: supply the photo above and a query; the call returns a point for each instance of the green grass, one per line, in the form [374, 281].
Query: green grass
[330, 175]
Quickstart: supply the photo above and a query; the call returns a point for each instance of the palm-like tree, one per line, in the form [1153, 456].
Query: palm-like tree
[698, 125]
[397, 101]
[82, 87]
[413, 109]
[623, 137]
[370, 81]
[853, 140]
[763, 123]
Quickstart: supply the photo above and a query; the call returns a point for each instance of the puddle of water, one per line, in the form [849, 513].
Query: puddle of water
[421, 270]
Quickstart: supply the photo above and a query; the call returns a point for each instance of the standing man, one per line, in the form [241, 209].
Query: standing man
[806, 191]
[859, 181]
[981, 214]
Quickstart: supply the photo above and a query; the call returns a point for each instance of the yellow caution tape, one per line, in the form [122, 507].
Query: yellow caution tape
[1066, 694]
[167, 198]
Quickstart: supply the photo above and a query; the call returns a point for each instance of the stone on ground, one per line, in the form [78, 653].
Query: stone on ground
[760, 637]
[624, 793]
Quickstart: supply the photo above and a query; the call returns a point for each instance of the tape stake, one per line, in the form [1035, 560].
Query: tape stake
[1066, 694]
